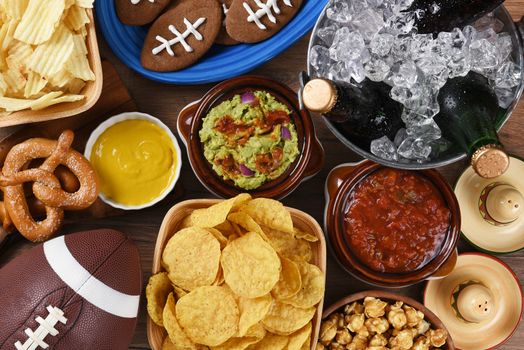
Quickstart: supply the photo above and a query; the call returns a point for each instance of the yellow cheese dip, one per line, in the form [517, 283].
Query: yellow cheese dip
[135, 160]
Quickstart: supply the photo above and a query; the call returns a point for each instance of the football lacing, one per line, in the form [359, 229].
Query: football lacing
[46, 327]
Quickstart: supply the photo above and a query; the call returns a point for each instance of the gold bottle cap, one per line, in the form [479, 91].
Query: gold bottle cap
[490, 161]
[319, 96]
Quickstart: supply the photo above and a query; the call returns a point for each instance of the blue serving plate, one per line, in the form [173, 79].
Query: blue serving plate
[220, 63]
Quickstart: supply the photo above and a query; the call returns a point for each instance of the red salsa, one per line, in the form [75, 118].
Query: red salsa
[396, 221]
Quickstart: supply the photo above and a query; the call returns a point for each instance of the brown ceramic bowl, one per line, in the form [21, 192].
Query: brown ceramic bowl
[339, 185]
[429, 316]
[308, 163]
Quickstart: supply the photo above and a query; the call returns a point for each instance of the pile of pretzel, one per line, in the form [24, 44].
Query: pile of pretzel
[65, 180]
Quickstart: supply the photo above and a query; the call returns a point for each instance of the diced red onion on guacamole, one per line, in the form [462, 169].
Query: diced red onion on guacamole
[246, 171]
[285, 133]
[248, 98]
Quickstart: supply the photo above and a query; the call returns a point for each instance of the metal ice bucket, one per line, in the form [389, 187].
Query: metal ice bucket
[515, 29]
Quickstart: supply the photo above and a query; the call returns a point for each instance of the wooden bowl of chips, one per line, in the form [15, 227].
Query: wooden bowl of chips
[376, 296]
[178, 218]
[34, 103]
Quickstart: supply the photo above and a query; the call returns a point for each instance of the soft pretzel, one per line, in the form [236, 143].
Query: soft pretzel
[47, 188]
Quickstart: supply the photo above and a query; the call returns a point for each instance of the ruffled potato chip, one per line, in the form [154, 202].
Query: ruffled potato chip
[252, 311]
[49, 58]
[270, 213]
[192, 258]
[251, 266]
[215, 214]
[270, 342]
[312, 290]
[299, 338]
[76, 18]
[13, 9]
[290, 280]
[39, 21]
[157, 292]
[175, 332]
[284, 319]
[208, 315]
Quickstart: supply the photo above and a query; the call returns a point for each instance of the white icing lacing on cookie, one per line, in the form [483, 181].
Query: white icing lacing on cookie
[191, 28]
[266, 9]
[136, 2]
[46, 327]
[226, 10]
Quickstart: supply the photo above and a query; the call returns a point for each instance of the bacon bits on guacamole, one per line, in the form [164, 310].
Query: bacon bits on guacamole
[250, 139]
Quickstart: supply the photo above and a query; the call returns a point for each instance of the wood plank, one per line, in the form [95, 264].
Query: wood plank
[166, 101]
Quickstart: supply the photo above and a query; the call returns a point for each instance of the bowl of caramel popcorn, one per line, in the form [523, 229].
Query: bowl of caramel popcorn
[377, 320]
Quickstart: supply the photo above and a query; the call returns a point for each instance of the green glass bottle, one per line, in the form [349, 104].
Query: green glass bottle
[468, 112]
[444, 15]
[362, 112]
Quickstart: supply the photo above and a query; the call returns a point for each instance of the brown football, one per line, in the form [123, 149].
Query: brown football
[182, 35]
[139, 12]
[251, 21]
[79, 291]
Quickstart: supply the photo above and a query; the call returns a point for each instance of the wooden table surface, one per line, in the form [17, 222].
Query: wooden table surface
[166, 101]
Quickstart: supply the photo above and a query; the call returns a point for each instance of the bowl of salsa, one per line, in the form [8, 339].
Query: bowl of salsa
[391, 227]
[248, 134]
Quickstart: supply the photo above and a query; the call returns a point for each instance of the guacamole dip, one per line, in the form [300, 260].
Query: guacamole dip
[249, 139]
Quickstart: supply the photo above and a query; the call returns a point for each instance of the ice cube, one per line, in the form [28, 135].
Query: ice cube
[376, 69]
[414, 149]
[356, 71]
[402, 23]
[505, 97]
[422, 45]
[504, 46]
[405, 95]
[489, 22]
[423, 101]
[368, 22]
[339, 71]
[483, 55]
[406, 75]
[327, 34]
[381, 44]
[488, 34]
[339, 11]
[403, 4]
[414, 119]
[401, 49]
[429, 131]
[431, 64]
[508, 76]
[458, 39]
[384, 148]
[469, 33]
[319, 56]
[400, 136]
[347, 45]
[458, 63]
[438, 80]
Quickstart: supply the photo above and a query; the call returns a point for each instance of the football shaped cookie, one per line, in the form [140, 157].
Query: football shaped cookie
[251, 21]
[79, 291]
[182, 35]
[223, 37]
[139, 12]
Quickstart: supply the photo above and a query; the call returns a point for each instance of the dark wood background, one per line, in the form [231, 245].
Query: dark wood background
[166, 101]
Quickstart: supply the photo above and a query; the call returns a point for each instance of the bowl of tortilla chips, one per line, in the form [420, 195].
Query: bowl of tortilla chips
[239, 273]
